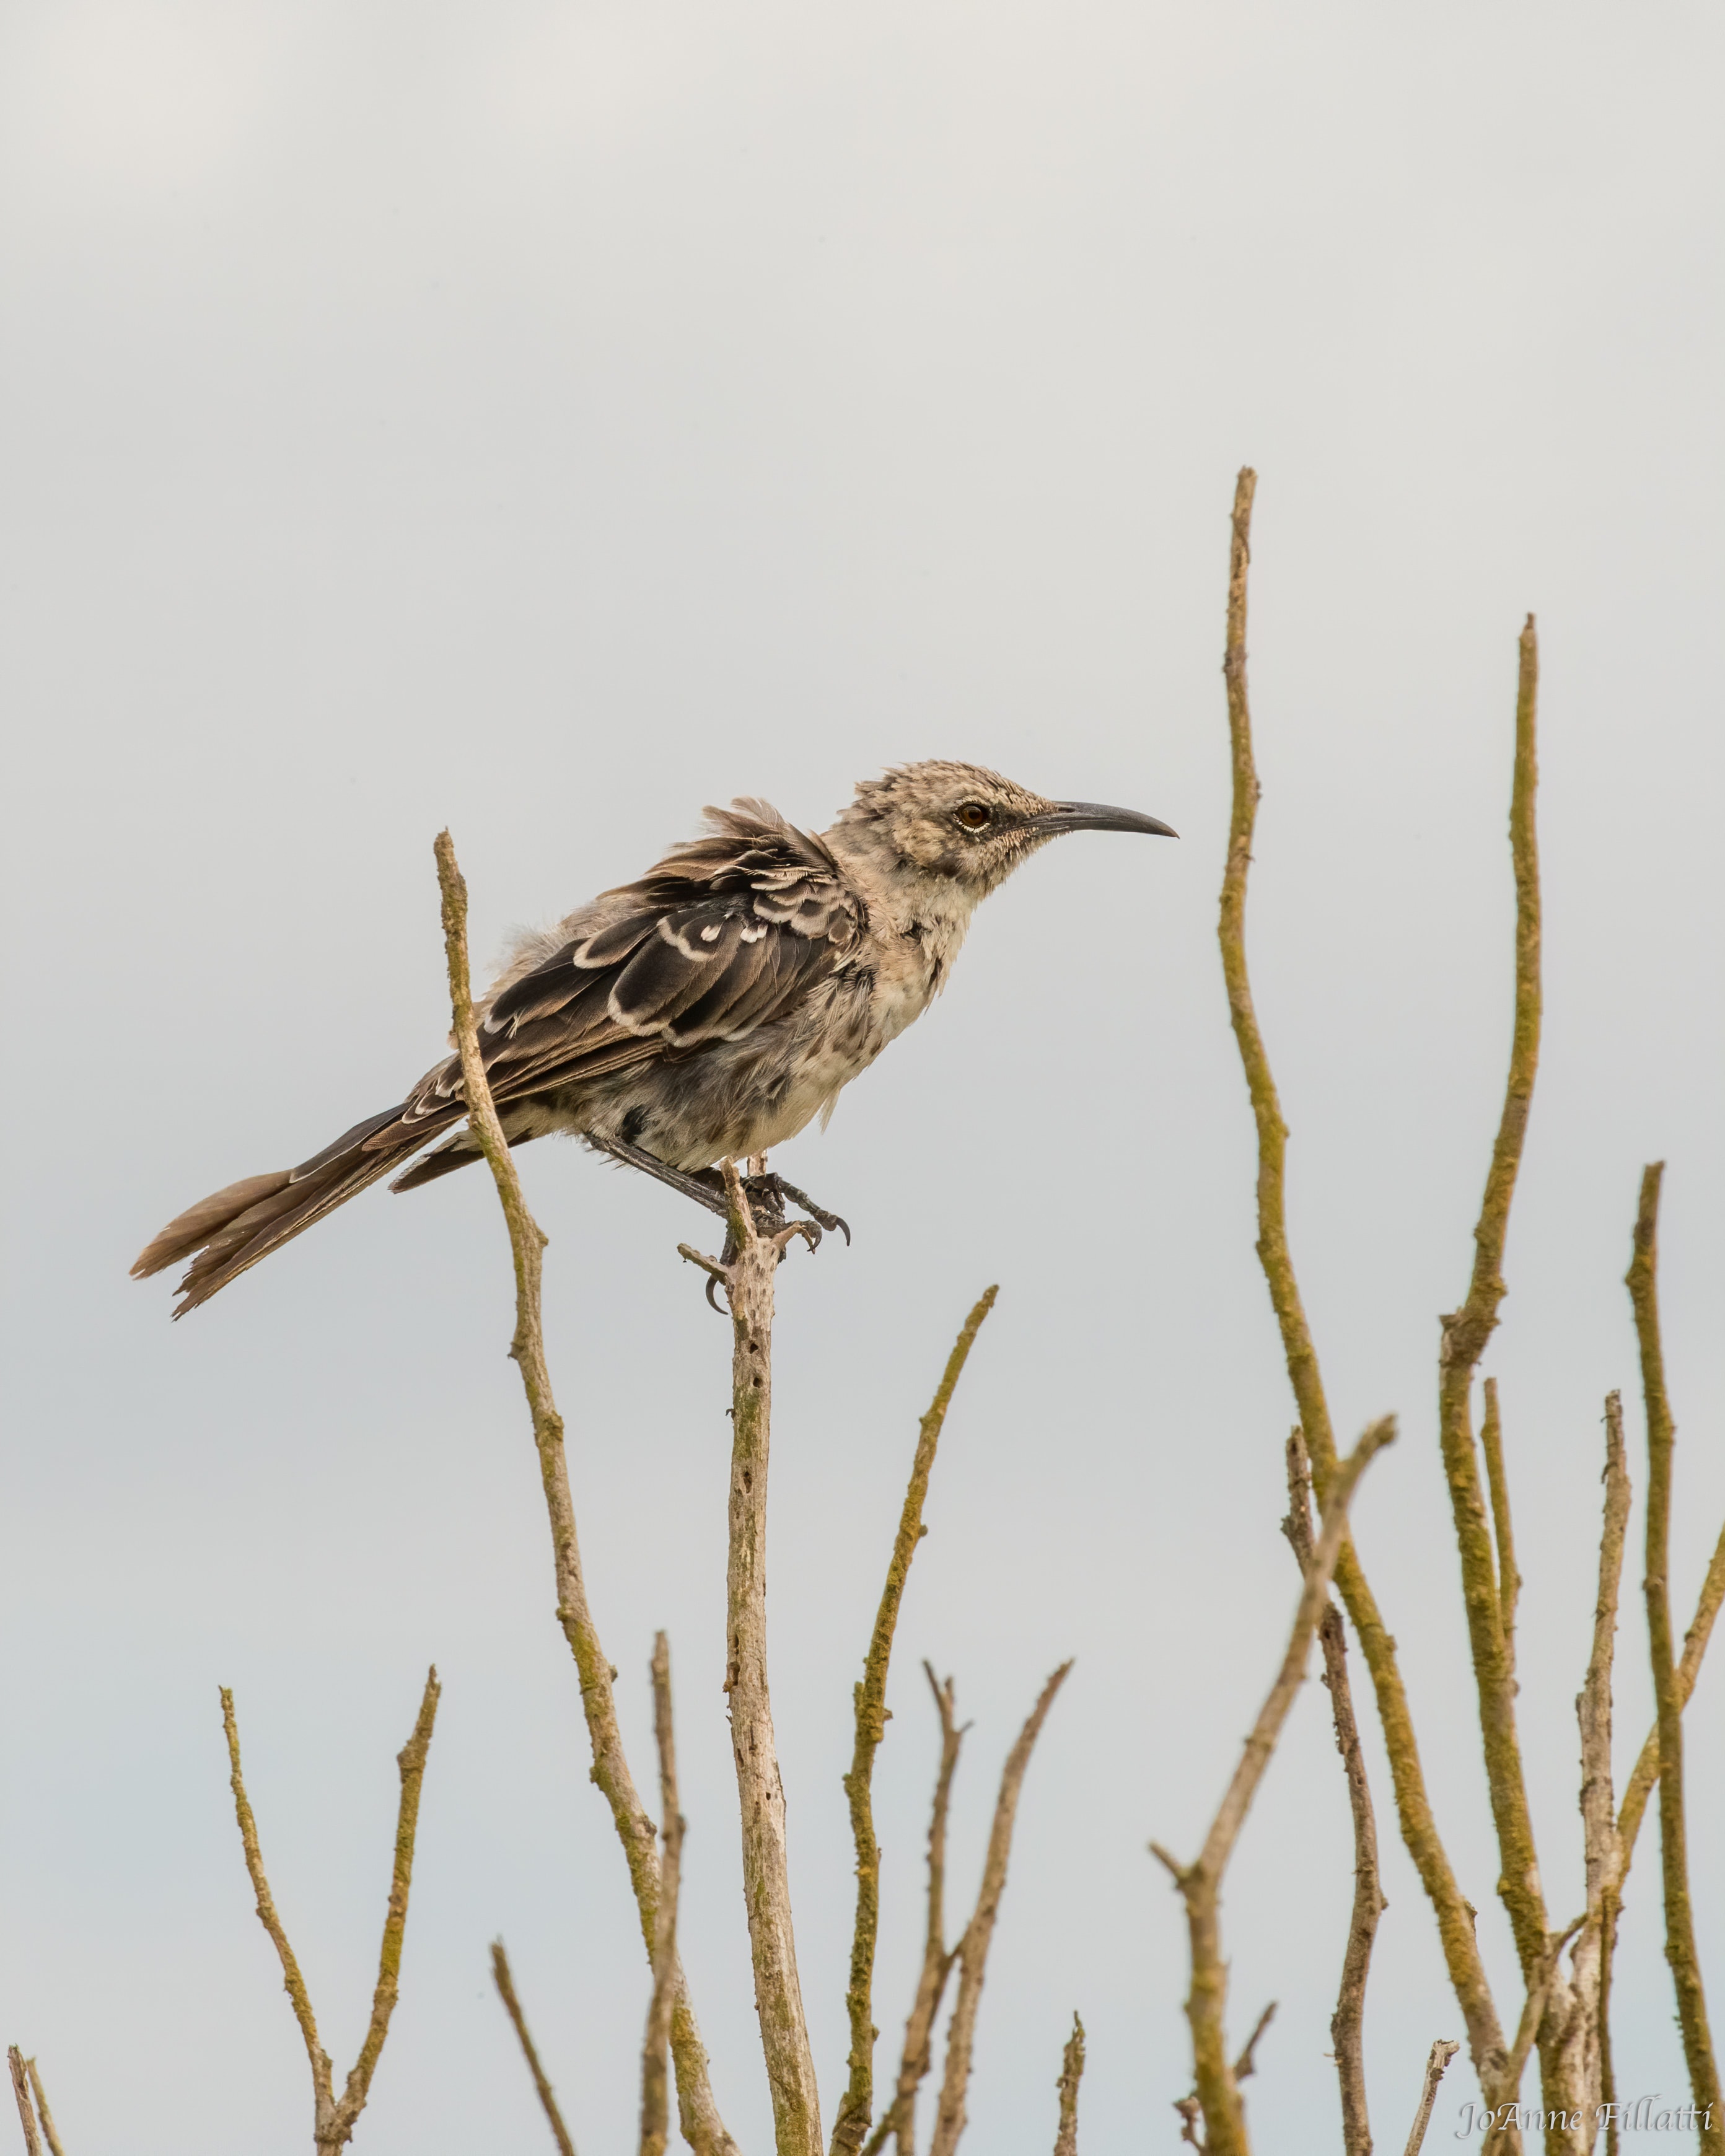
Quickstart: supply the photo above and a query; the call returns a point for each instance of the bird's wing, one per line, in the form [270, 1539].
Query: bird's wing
[724, 935]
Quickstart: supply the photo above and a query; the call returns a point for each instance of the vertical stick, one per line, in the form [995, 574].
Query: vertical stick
[505, 1982]
[1643, 1281]
[1072, 2073]
[1347, 2022]
[766, 1877]
[21, 2090]
[655, 2119]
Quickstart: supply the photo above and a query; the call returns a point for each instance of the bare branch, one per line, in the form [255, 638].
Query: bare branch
[773, 1946]
[1346, 2023]
[869, 1700]
[1680, 1948]
[699, 2116]
[42, 2110]
[1465, 1334]
[1505, 2131]
[1587, 2034]
[505, 1982]
[21, 2090]
[1436, 2060]
[1640, 1784]
[973, 1950]
[655, 2117]
[1247, 2064]
[1454, 1912]
[323, 2093]
[900, 2118]
[1072, 2073]
[1200, 1883]
[334, 2119]
[1509, 1580]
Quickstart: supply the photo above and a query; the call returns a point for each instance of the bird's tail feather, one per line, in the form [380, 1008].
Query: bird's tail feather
[233, 1229]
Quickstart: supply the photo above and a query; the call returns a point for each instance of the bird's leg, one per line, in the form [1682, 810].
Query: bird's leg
[706, 1186]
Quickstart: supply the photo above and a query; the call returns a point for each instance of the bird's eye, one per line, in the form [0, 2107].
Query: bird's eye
[974, 816]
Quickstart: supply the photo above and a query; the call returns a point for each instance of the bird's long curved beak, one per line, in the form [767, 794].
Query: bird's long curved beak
[1098, 816]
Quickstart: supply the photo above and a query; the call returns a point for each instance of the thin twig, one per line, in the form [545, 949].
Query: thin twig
[1587, 2038]
[1505, 2130]
[1509, 1580]
[766, 1873]
[42, 2110]
[900, 2117]
[1200, 1883]
[323, 2091]
[1346, 2023]
[1455, 1914]
[1066, 2087]
[1247, 2064]
[21, 2090]
[505, 1982]
[1464, 1333]
[1680, 1947]
[1436, 2060]
[857, 2105]
[973, 1950]
[1646, 1773]
[334, 2118]
[655, 2110]
[698, 2113]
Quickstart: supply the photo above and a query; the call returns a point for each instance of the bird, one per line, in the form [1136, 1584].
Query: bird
[703, 1015]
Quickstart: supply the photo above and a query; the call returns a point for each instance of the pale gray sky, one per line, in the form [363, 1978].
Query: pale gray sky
[547, 419]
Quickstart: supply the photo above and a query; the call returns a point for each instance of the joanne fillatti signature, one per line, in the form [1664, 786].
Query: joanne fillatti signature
[1644, 2114]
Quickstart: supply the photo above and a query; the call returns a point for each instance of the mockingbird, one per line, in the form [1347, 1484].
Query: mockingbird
[704, 1014]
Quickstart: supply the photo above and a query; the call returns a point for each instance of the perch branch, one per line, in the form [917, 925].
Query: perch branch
[505, 1982]
[1346, 2023]
[900, 2118]
[43, 2112]
[972, 1949]
[699, 2116]
[1200, 1883]
[1436, 2060]
[655, 2112]
[334, 2118]
[1464, 1337]
[21, 2090]
[1072, 2073]
[1455, 1914]
[1643, 1279]
[766, 1876]
[869, 1701]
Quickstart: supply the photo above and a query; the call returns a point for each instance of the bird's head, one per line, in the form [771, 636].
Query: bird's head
[959, 822]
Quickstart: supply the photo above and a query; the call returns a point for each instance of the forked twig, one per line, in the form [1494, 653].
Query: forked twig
[1346, 2023]
[505, 1982]
[1072, 2073]
[1454, 1913]
[1200, 1883]
[973, 1948]
[655, 2110]
[1506, 2126]
[1488, 1597]
[1643, 1281]
[334, 2118]
[1436, 2060]
[900, 2118]
[857, 2104]
[698, 2113]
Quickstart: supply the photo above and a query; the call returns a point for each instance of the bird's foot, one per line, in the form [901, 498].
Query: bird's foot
[755, 1215]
